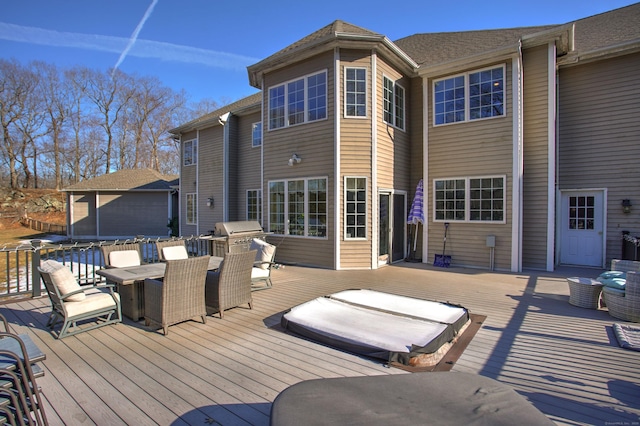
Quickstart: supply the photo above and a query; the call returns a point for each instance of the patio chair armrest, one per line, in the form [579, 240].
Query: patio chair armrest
[110, 286]
[258, 264]
[65, 296]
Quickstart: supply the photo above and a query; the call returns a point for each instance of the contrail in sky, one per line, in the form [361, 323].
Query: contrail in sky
[143, 48]
[134, 36]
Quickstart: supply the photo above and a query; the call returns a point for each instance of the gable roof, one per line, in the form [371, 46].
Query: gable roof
[127, 180]
[335, 34]
[607, 33]
[212, 118]
[434, 48]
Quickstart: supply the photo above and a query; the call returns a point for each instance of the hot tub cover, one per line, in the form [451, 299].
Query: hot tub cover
[377, 324]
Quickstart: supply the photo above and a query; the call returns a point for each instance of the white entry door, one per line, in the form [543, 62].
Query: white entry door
[582, 228]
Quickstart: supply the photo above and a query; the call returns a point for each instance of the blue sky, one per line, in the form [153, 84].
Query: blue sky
[204, 46]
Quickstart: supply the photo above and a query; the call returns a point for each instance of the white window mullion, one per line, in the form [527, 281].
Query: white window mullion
[306, 207]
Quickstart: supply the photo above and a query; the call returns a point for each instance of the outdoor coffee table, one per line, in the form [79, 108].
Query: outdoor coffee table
[584, 292]
[130, 283]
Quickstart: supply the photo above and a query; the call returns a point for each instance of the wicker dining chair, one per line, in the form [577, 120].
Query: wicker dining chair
[175, 249]
[231, 285]
[121, 255]
[179, 296]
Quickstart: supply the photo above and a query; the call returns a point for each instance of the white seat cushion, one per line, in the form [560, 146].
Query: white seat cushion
[175, 253]
[265, 253]
[124, 258]
[257, 273]
[92, 302]
[63, 279]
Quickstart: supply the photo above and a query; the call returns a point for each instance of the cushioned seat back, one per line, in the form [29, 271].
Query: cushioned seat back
[124, 258]
[175, 253]
[265, 253]
[58, 275]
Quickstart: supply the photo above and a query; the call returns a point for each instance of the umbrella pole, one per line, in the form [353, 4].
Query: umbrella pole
[415, 240]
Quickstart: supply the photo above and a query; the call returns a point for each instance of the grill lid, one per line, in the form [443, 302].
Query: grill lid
[225, 229]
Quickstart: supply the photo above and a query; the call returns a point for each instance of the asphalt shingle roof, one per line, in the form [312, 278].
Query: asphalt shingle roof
[127, 180]
[600, 31]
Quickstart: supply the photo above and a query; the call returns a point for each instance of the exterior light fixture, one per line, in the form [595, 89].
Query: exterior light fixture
[626, 205]
[210, 202]
[294, 160]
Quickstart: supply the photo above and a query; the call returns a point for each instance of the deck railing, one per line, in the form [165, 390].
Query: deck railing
[20, 277]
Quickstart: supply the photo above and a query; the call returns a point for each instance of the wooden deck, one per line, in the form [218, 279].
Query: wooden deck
[563, 359]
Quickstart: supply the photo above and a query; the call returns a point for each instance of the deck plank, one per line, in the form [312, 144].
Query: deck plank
[562, 358]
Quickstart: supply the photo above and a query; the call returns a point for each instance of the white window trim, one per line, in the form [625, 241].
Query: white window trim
[305, 78]
[194, 152]
[467, 114]
[404, 103]
[306, 206]
[366, 90]
[467, 204]
[366, 203]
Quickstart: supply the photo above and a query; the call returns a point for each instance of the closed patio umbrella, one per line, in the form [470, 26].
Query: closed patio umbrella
[416, 214]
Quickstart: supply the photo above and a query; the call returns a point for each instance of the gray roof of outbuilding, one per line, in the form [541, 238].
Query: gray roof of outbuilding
[127, 180]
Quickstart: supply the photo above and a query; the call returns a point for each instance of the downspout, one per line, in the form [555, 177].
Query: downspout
[262, 132]
[97, 208]
[425, 167]
[336, 168]
[180, 192]
[223, 119]
[375, 207]
[198, 184]
[517, 170]
[552, 153]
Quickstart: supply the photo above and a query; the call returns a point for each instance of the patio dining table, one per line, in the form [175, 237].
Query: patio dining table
[130, 283]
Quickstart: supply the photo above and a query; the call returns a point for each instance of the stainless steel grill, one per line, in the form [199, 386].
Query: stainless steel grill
[234, 237]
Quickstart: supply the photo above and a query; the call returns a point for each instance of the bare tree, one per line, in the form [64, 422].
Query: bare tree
[57, 103]
[16, 84]
[110, 95]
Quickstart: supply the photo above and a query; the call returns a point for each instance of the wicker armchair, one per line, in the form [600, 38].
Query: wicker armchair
[179, 296]
[625, 265]
[177, 249]
[625, 305]
[121, 255]
[231, 285]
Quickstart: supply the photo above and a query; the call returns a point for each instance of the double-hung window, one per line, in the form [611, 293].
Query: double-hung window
[470, 96]
[298, 101]
[393, 103]
[254, 205]
[192, 209]
[355, 207]
[355, 92]
[256, 134]
[298, 207]
[471, 199]
[190, 152]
